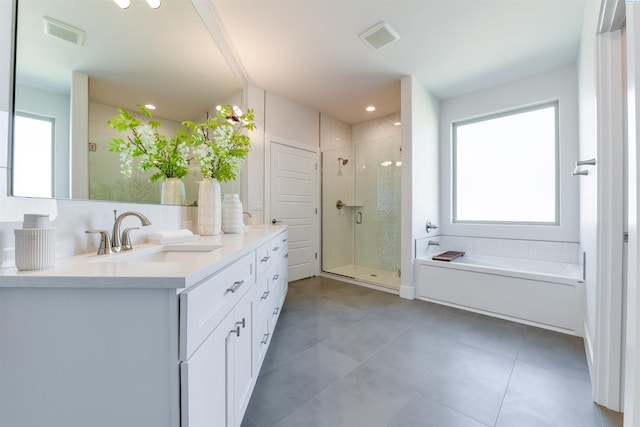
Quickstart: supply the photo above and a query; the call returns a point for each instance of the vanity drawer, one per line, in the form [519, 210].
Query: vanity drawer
[203, 307]
[268, 254]
[264, 290]
[264, 259]
[262, 333]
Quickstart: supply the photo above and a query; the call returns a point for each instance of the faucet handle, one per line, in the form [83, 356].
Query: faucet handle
[126, 240]
[105, 244]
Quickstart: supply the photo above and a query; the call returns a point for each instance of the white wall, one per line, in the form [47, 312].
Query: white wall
[632, 355]
[587, 150]
[420, 173]
[560, 84]
[289, 121]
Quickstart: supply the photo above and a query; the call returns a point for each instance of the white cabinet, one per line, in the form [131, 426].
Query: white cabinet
[204, 380]
[140, 352]
[271, 288]
[225, 332]
[217, 380]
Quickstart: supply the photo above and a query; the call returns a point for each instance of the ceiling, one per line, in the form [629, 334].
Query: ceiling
[305, 50]
[309, 51]
[132, 56]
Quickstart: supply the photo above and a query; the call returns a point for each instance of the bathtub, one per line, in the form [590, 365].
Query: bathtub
[540, 293]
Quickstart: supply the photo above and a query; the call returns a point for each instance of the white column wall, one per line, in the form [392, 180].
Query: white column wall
[420, 172]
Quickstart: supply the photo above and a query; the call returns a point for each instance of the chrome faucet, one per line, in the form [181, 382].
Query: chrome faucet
[124, 243]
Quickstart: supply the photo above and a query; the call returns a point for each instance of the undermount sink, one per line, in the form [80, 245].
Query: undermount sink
[166, 253]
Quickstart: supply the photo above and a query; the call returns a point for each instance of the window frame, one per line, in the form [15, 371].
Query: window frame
[505, 113]
[42, 118]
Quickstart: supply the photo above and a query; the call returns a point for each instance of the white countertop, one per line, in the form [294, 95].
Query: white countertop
[90, 270]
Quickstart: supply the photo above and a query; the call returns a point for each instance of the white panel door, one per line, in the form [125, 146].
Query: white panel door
[294, 202]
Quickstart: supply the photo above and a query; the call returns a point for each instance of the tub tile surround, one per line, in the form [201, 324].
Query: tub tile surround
[564, 252]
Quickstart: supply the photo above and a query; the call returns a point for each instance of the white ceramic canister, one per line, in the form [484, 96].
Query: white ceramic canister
[35, 248]
[232, 214]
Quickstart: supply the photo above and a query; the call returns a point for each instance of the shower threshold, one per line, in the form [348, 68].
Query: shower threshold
[376, 276]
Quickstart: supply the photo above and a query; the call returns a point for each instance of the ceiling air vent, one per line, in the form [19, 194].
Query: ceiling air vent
[63, 31]
[380, 35]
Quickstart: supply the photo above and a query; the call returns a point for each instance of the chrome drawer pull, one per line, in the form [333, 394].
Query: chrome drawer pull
[265, 259]
[286, 255]
[265, 295]
[275, 277]
[276, 248]
[275, 310]
[236, 331]
[235, 287]
[243, 323]
[265, 338]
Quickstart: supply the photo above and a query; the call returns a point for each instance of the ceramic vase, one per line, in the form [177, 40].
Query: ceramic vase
[209, 208]
[232, 214]
[173, 192]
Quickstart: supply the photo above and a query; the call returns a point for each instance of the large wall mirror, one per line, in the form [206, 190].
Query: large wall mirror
[77, 61]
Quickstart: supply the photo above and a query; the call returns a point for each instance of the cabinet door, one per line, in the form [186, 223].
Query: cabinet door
[205, 380]
[243, 378]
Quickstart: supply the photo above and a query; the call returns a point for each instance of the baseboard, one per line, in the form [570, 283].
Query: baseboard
[407, 292]
[588, 350]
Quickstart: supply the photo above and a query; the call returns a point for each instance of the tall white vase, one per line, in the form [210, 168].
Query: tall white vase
[209, 208]
[173, 192]
[232, 214]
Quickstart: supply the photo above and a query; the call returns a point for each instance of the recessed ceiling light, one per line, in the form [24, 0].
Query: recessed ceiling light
[153, 4]
[370, 108]
[150, 106]
[397, 124]
[123, 4]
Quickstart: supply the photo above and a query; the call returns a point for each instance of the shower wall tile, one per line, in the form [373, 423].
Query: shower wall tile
[333, 133]
[376, 129]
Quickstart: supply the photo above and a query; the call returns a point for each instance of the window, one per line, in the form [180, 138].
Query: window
[505, 167]
[33, 156]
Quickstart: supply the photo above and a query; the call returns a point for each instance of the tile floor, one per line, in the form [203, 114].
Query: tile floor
[345, 355]
[376, 276]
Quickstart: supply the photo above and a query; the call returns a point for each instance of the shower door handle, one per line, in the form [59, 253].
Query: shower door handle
[358, 217]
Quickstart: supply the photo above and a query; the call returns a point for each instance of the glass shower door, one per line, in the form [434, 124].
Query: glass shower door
[361, 211]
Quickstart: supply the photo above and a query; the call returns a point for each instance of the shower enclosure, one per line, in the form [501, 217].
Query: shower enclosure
[361, 211]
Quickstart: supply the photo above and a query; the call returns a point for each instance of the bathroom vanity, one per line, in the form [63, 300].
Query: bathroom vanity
[168, 335]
